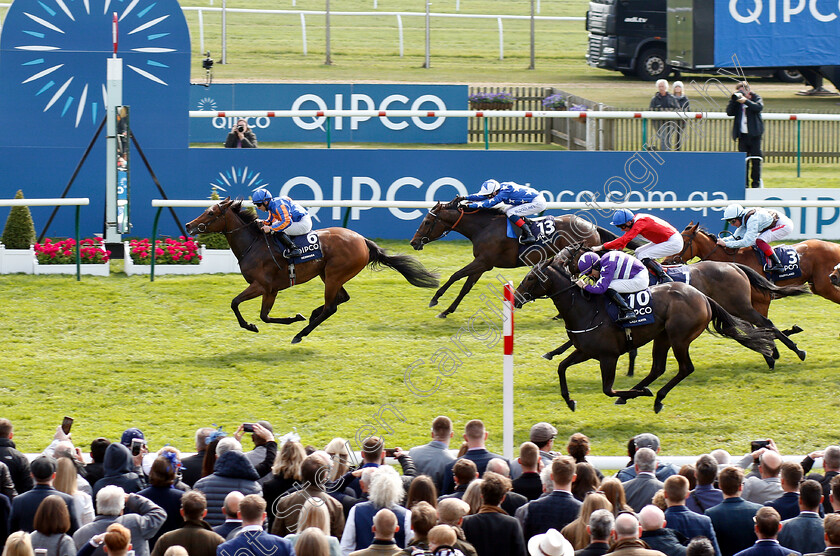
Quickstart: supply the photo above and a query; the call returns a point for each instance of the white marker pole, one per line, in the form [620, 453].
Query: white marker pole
[507, 373]
[114, 83]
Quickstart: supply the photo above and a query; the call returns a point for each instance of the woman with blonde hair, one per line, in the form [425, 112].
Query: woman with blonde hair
[284, 473]
[51, 523]
[472, 496]
[575, 531]
[339, 457]
[18, 544]
[313, 542]
[614, 491]
[315, 515]
[66, 482]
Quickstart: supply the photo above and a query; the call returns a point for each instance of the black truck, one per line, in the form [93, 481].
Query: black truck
[630, 36]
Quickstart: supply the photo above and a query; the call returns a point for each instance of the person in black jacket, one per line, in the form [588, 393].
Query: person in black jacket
[96, 469]
[747, 128]
[663, 101]
[491, 531]
[119, 471]
[191, 466]
[15, 460]
[24, 506]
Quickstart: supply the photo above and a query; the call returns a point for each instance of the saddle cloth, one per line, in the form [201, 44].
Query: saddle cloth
[678, 273]
[790, 263]
[309, 244]
[641, 302]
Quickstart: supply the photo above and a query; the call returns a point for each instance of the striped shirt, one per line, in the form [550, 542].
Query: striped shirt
[615, 265]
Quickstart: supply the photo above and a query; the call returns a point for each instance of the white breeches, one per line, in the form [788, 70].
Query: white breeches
[673, 246]
[782, 229]
[631, 285]
[534, 207]
[303, 226]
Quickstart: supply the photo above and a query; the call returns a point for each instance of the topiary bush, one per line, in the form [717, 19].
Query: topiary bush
[213, 240]
[19, 232]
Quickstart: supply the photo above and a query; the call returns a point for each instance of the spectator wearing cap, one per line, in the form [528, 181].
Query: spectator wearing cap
[831, 467]
[119, 471]
[17, 462]
[265, 449]
[680, 518]
[640, 490]
[790, 475]
[550, 543]
[191, 465]
[600, 528]
[451, 512]
[25, 505]
[542, 434]
[557, 509]
[656, 535]
[95, 470]
[433, 458]
[704, 495]
[529, 483]
[128, 437]
[767, 526]
[805, 532]
[662, 470]
[475, 436]
[733, 518]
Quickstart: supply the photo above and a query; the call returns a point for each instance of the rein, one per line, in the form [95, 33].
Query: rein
[690, 243]
[445, 232]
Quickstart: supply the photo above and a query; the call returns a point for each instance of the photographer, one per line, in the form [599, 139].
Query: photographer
[241, 136]
[747, 128]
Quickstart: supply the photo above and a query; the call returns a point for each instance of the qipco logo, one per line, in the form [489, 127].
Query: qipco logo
[751, 11]
[365, 102]
[228, 123]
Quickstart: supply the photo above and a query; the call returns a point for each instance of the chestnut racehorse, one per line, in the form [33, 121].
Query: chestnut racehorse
[817, 259]
[345, 254]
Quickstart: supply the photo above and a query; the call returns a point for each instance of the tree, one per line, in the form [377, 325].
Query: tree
[19, 232]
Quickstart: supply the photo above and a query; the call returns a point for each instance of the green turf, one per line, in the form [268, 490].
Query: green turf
[168, 356]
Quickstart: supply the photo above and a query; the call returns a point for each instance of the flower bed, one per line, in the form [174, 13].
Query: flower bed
[554, 102]
[492, 101]
[182, 256]
[59, 257]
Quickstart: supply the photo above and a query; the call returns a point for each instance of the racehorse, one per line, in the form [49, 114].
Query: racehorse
[486, 229]
[681, 312]
[816, 258]
[732, 286]
[345, 254]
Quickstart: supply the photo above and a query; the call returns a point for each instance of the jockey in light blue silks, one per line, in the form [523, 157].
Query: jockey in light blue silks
[523, 201]
[757, 227]
[285, 218]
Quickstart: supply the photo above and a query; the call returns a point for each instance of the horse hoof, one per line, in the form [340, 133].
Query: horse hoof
[299, 317]
[620, 401]
[572, 404]
[646, 392]
[801, 354]
[442, 315]
[548, 356]
[252, 327]
[657, 407]
[795, 329]
[296, 340]
[771, 363]
[433, 302]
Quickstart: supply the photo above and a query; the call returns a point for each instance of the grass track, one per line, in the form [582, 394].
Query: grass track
[168, 356]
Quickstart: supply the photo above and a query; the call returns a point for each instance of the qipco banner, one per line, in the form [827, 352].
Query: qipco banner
[773, 33]
[332, 97]
[808, 222]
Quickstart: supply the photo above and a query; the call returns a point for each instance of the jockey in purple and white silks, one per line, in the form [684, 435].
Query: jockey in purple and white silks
[616, 272]
[523, 201]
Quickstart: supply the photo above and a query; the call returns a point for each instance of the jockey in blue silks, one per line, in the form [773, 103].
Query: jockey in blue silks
[285, 218]
[616, 272]
[523, 201]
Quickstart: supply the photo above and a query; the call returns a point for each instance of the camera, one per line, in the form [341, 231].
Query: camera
[136, 446]
[207, 62]
[240, 128]
[389, 452]
[248, 427]
[758, 444]
[738, 95]
[66, 424]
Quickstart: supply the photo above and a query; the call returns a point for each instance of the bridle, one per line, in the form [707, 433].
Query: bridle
[201, 227]
[425, 239]
[689, 248]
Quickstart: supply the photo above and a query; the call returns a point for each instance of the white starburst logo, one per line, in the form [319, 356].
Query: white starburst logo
[207, 103]
[239, 182]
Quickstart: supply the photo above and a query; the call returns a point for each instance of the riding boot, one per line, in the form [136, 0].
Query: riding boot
[626, 314]
[772, 262]
[525, 237]
[291, 249]
[657, 270]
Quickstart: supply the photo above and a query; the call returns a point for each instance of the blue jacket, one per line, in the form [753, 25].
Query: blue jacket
[509, 193]
[256, 543]
[702, 498]
[768, 547]
[663, 471]
[787, 505]
[232, 471]
[733, 523]
[804, 533]
[282, 211]
[690, 524]
[479, 456]
[556, 510]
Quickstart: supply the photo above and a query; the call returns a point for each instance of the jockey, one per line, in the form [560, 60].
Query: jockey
[664, 239]
[524, 201]
[757, 227]
[285, 218]
[616, 272]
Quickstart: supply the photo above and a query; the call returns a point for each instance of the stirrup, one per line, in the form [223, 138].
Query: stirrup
[291, 253]
[625, 317]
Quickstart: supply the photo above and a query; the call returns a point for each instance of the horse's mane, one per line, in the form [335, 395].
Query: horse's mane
[245, 214]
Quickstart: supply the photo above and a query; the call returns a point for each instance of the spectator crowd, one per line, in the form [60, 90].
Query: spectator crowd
[294, 499]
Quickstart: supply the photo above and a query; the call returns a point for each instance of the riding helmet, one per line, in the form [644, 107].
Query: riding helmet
[489, 187]
[733, 211]
[587, 261]
[622, 217]
[260, 196]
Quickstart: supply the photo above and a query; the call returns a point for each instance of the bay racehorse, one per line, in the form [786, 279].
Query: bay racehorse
[732, 286]
[816, 258]
[682, 313]
[487, 230]
[345, 254]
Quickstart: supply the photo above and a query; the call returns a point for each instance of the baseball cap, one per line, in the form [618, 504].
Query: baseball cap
[542, 432]
[266, 425]
[131, 434]
[647, 440]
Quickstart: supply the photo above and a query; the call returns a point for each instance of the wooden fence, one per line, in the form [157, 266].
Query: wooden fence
[819, 141]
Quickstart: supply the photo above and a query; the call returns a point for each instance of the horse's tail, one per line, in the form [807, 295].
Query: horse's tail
[757, 339]
[607, 235]
[762, 284]
[411, 268]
